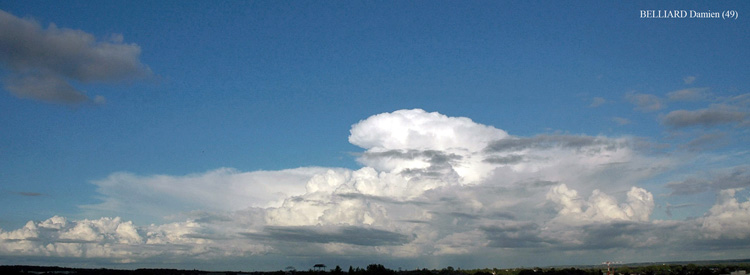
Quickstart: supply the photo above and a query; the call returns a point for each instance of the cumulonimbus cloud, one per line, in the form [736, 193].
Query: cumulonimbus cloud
[43, 62]
[430, 186]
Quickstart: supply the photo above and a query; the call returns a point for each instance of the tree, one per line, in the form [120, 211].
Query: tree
[378, 269]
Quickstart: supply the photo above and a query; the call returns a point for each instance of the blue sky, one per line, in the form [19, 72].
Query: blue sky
[201, 122]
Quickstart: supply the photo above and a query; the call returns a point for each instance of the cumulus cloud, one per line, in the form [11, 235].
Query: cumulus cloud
[44, 61]
[601, 207]
[116, 240]
[728, 218]
[644, 102]
[431, 186]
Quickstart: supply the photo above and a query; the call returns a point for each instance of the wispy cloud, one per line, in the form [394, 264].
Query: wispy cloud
[692, 94]
[668, 209]
[225, 189]
[644, 102]
[707, 141]
[597, 101]
[621, 121]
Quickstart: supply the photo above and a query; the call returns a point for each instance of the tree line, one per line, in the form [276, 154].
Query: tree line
[379, 269]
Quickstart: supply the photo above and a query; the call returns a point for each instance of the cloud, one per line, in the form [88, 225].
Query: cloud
[692, 94]
[346, 234]
[716, 115]
[460, 243]
[728, 218]
[436, 163]
[44, 62]
[516, 235]
[724, 179]
[644, 102]
[116, 240]
[431, 187]
[669, 207]
[509, 159]
[597, 101]
[621, 121]
[689, 79]
[59, 237]
[222, 189]
[45, 87]
[420, 130]
[742, 101]
[550, 141]
[707, 141]
[601, 207]
[621, 235]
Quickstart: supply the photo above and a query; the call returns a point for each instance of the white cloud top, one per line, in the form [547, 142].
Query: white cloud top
[420, 130]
